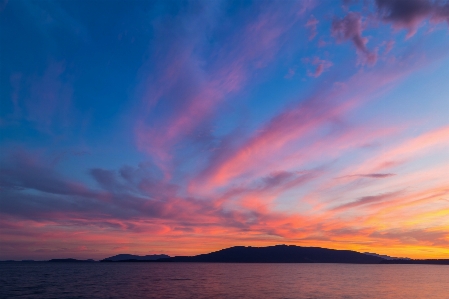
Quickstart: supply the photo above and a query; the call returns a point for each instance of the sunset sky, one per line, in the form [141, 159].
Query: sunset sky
[184, 127]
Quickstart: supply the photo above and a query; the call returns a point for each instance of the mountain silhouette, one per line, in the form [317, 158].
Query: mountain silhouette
[419, 262]
[70, 260]
[131, 257]
[279, 254]
[276, 254]
[387, 257]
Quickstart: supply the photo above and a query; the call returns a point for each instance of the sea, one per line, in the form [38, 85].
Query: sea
[216, 280]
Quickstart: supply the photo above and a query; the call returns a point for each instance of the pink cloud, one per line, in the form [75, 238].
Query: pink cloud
[321, 66]
[283, 134]
[350, 28]
[253, 47]
[312, 26]
[405, 151]
[290, 74]
[367, 200]
[388, 46]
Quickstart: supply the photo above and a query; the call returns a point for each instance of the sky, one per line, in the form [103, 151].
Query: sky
[185, 127]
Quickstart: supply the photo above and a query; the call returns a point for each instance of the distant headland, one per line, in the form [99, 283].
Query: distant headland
[270, 254]
[129, 257]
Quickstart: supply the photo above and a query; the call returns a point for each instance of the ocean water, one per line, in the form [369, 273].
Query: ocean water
[203, 280]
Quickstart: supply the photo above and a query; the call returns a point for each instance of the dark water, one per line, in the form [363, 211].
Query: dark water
[195, 280]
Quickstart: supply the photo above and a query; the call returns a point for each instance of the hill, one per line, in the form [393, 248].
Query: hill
[70, 260]
[279, 254]
[131, 257]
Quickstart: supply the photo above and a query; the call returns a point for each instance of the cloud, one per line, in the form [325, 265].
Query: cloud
[321, 66]
[366, 200]
[258, 194]
[416, 236]
[31, 190]
[111, 215]
[279, 141]
[441, 13]
[193, 92]
[409, 14]
[377, 175]
[408, 150]
[312, 26]
[291, 72]
[107, 179]
[44, 99]
[23, 171]
[388, 46]
[350, 28]
[372, 175]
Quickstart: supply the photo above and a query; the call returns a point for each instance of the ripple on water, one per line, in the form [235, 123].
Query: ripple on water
[202, 280]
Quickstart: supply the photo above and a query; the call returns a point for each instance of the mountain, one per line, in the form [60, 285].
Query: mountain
[131, 257]
[387, 257]
[70, 260]
[274, 254]
[279, 254]
[417, 262]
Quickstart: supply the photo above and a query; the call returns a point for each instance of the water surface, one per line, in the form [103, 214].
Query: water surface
[212, 280]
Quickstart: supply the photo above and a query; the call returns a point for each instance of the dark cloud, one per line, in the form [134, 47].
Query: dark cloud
[22, 171]
[350, 28]
[32, 191]
[441, 13]
[142, 180]
[408, 14]
[106, 179]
